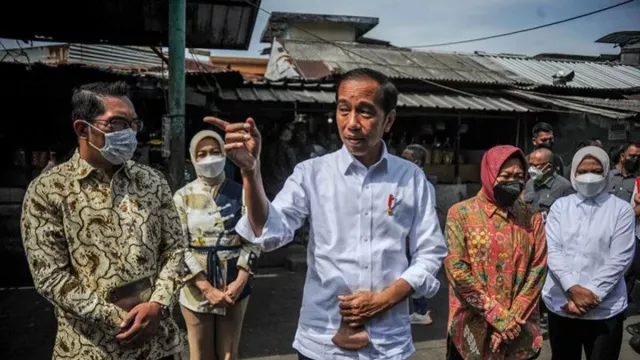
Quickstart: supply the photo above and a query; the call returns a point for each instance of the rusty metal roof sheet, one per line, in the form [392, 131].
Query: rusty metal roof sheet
[592, 75]
[324, 94]
[112, 55]
[391, 61]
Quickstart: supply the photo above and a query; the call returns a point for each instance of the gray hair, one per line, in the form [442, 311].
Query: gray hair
[419, 154]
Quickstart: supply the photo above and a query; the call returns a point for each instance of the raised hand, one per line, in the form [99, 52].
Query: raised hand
[242, 141]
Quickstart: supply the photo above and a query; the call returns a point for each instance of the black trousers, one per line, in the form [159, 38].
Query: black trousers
[601, 339]
[302, 357]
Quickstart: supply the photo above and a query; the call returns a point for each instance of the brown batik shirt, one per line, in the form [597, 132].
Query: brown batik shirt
[85, 234]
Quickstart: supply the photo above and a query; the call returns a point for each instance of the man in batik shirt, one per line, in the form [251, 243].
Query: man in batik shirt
[103, 239]
[496, 266]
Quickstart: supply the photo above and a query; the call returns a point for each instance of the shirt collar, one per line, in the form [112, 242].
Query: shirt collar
[82, 169]
[548, 183]
[347, 161]
[598, 199]
[618, 172]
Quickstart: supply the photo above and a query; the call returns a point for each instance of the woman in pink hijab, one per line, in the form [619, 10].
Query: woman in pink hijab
[496, 265]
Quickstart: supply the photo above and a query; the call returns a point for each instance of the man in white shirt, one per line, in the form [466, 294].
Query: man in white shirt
[366, 208]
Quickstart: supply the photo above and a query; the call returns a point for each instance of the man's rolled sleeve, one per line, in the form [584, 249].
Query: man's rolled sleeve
[423, 283]
[275, 233]
[287, 213]
[426, 243]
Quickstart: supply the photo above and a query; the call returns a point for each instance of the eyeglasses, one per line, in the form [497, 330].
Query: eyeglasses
[118, 124]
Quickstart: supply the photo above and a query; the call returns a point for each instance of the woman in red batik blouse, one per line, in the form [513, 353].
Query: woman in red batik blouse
[496, 266]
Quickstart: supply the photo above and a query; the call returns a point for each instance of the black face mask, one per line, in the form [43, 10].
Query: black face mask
[546, 145]
[632, 164]
[506, 193]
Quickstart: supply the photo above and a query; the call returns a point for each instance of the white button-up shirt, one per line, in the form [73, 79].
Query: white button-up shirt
[591, 243]
[356, 243]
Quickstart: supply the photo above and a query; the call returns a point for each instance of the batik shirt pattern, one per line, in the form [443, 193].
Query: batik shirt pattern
[202, 225]
[496, 268]
[85, 234]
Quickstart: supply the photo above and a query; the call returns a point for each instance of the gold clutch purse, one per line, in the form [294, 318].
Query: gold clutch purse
[132, 294]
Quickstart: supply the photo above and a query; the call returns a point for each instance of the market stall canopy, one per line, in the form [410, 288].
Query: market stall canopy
[211, 24]
[325, 94]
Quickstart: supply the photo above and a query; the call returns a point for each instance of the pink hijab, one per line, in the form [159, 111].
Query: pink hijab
[492, 162]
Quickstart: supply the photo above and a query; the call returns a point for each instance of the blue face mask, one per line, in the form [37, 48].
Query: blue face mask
[119, 146]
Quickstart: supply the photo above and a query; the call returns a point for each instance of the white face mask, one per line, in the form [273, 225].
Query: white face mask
[211, 166]
[590, 184]
[119, 146]
[535, 173]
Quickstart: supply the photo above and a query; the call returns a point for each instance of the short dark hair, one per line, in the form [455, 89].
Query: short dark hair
[624, 147]
[388, 98]
[583, 144]
[419, 153]
[87, 101]
[541, 127]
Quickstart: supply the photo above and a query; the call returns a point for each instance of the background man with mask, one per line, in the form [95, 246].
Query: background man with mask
[362, 204]
[543, 138]
[103, 239]
[544, 186]
[622, 181]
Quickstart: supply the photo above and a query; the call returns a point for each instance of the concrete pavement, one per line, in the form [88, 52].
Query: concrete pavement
[27, 325]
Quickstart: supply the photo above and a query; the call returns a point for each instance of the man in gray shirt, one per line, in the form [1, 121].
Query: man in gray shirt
[543, 139]
[622, 181]
[545, 186]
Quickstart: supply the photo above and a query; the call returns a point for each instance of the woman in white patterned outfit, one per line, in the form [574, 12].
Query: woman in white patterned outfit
[216, 292]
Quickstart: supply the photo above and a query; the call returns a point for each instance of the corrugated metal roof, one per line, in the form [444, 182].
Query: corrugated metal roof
[591, 75]
[615, 104]
[393, 62]
[571, 105]
[325, 95]
[112, 55]
[620, 37]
